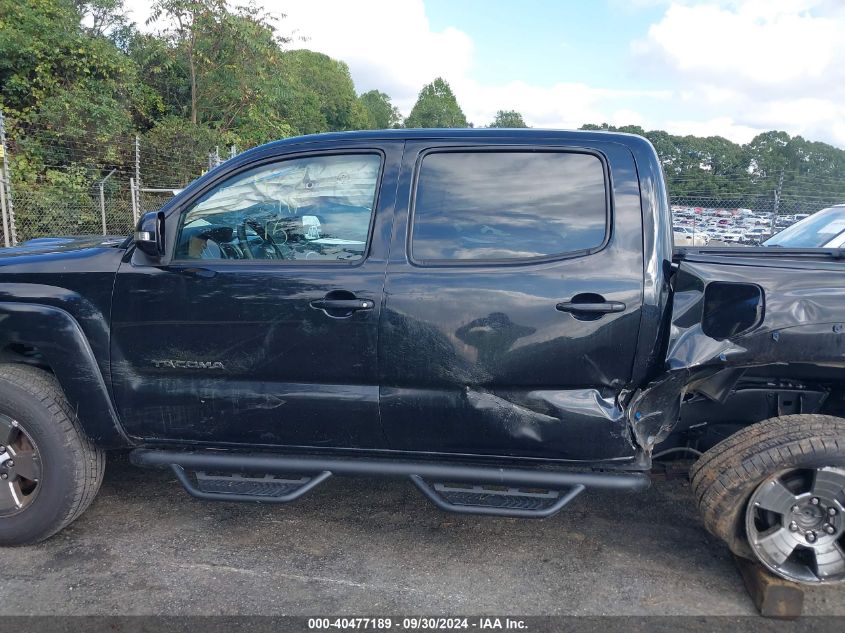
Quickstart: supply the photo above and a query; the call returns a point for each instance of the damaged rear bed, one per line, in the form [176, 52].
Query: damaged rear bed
[760, 324]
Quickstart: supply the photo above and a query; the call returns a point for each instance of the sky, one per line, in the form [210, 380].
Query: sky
[731, 68]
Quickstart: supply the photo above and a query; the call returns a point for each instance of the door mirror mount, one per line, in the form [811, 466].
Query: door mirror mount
[149, 234]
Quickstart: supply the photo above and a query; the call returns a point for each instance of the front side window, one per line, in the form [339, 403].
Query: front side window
[508, 205]
[314, 208]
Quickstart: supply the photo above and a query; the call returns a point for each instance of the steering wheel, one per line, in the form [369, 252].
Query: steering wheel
[242, 239]
[262, 233]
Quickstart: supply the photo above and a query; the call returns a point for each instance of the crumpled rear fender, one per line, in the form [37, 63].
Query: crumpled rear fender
[727, 318]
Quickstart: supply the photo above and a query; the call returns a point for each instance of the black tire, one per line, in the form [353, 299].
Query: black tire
[724, 477]
[71, 467]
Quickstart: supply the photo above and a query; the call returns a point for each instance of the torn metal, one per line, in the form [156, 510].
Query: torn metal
[731, 314]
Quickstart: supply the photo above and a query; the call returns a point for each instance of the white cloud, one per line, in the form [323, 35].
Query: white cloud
[736, 67]
[562, 105]
[139, 11]
[731, 67]
[719, 126]
[753, 44]
[754, 65]
[390, 46]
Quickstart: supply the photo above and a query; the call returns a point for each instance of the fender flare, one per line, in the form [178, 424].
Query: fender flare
[60, 339]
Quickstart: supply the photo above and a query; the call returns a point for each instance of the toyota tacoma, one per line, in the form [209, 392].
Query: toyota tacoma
[499, 316]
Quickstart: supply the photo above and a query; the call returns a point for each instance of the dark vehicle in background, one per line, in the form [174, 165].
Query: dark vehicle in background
[497, 315]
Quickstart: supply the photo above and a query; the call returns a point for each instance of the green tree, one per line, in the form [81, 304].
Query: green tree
[165, 89]
[104, 17]
[715, 170]
[226, 69]
[317, 79]
[69, 94]
[78, 81]
[187, 15]
[436, 106]
[165, 165]
[47, 61]
[228, 55]
[381, 113]
[508, 118]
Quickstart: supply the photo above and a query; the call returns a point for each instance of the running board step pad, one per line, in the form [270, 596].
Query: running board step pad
[509, 498]
[237, 487]
[267, 486]
[500, 501]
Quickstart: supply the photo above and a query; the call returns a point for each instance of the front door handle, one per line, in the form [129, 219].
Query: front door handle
[599, 307]
[342, 304]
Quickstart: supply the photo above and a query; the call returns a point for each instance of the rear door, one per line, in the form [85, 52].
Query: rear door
[512, 300]
[260, 325]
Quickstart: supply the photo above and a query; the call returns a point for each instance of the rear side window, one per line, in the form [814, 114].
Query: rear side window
[478, 206]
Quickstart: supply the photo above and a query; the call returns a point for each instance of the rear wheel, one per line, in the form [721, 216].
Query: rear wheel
[775, 492]
[794, 522]
[49, 471]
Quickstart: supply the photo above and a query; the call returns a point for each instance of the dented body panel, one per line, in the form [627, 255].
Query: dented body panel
[475, 359]
[796, 320]
[453, 361]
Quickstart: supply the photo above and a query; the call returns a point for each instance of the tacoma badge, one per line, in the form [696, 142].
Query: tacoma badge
[189, 364]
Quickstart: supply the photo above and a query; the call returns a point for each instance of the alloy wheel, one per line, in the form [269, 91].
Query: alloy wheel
[795, 523]
[20, 467]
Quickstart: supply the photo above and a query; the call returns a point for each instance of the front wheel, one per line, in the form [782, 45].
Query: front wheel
[49, 471]
[775, 492]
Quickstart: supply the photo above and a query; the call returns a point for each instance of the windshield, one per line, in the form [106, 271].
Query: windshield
[815, 231]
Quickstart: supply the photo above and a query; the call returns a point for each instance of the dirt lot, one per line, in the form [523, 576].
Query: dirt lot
[145, 547]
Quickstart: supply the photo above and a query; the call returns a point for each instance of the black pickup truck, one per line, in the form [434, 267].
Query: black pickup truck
[497, 315]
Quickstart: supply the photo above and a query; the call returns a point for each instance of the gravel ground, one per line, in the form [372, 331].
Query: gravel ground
[145, 547]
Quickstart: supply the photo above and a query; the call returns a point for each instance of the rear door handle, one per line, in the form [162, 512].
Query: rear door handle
[603, 307]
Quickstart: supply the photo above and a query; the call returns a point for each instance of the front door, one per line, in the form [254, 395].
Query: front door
[512, 301]
[260, 325]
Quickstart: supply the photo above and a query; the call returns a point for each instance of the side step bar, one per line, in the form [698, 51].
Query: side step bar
[512, 492]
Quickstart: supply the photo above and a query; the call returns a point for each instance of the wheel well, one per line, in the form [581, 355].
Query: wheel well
[24, 354]
[759, 394]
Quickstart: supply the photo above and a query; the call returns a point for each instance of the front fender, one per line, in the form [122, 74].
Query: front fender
[61, 341]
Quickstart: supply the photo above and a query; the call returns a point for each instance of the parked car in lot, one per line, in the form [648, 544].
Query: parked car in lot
[823, 229]
[688, 236]
[755, 236]
[497, 315]
[733, 236]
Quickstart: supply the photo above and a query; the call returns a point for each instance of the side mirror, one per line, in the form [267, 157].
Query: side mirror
[149, 234]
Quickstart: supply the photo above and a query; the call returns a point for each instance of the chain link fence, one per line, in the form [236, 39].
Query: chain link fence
[770, 204]
[78, 187]
[54, 185]
[40, 212]
[736, 220]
